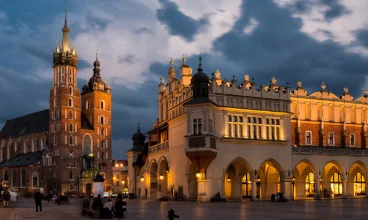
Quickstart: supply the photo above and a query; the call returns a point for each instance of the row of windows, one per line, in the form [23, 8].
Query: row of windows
[87, 105]
[23, 178]
[61, 73]
[36, 145]
[331, 138]
[252, 104]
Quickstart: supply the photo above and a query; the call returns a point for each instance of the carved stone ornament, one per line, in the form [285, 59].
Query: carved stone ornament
[346, 90]
[246, 77]
[323, 86]
[299, 84]
[161, 80]
[273, 80]
[218, 74]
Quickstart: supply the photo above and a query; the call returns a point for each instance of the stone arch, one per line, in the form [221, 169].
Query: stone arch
[270, 174]
[304, 180]
[353, 169]
[87, 144]
[192, 179]
[163, 171]
[332, 176]
[236, 171]
[357, 176]
[153, 183]
[334, 163]
[163, 160]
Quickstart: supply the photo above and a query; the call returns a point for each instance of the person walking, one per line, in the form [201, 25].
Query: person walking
[38, 200]
[119, 209]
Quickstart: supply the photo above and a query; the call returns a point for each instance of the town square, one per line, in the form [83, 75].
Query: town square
[168, 109]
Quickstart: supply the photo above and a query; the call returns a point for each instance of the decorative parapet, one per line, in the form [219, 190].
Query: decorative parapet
[254, 141]
[200, 142]
[334, 151]
[158, 147]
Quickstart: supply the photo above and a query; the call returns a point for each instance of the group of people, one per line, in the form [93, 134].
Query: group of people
[109, 210]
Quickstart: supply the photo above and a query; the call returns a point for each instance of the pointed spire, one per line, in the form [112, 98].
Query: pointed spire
[171, 61]
[200, 64]
[56, 47]
[65, 21]
[184, 59]
[139, 128]
[96, 55]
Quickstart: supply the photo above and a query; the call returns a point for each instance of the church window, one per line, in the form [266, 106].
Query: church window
[63, 74]
[352, 140]
[70, 102]
[210, 126]
[71, 140]
[235, 126]
[102, 119]
[70, 127]
[54, 102]
[34, 182]
[87, 144]
[272, 128]
[331, 139]
[197, 126]
[70, 75]
[102, 131]
[70, 115]
[102, 155]
[102, 105]
[70, 91]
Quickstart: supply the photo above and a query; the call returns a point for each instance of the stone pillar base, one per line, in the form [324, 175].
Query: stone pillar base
[202, 197]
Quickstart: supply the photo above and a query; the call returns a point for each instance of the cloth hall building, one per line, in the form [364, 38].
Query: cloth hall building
[248, 141]
[64, 147]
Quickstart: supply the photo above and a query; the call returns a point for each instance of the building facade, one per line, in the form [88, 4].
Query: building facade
[120, 176]
[248, 141]
[64, 147]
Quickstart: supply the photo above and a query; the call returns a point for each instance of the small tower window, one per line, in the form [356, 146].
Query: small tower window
[102, 131]
[54, 102]
[87, 105]
[70, 102]
[70, 91]
[63, 74]
[70, 115]
[71, 128]
[71, 140]
[102, 105]
[70, 75]
[102, 119]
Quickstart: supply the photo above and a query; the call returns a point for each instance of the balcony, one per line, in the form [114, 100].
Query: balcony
[332, 151]
[201, 150]
[158, 147]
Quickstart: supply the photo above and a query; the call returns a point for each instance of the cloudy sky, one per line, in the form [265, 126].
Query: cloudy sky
[307, 40]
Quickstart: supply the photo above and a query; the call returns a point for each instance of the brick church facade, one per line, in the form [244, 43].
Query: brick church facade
[61, 148]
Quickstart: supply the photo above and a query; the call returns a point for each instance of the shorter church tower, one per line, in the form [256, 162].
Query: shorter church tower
[96, 110]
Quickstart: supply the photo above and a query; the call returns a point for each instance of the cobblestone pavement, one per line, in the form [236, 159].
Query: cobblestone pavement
[145, 209]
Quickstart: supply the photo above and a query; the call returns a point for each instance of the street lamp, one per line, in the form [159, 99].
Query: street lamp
[293, 178]
[161, 176]
[142, 179]
[258, 179]
[198, 174]
[228, 179]
[123, 182]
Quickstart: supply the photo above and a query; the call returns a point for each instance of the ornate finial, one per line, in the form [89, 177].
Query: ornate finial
[139, 129]
[184, 59]
[161, 80]
[366, 93]
[323, 86]
[65, 21]
[218, 74]
[246, 77]
[200, 63]
[171, 61]
[346, 90]
[96, 54]
[299, 84]
[273, 80]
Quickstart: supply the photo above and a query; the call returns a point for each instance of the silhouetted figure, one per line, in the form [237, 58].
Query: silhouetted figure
[38, 200]
[172, 215]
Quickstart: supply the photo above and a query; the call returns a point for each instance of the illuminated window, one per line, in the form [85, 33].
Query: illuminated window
[308, 137]
[336, 184]
[246, 186]
[352, 140]
[273, 128]
[197, 126]
[310, 185]
[235, 126]
[255, 127]
[359, 184]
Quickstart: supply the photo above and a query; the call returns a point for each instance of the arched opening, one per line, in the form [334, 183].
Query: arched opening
[70, 140]
[237, 180]
[102, 105]
[153, 180]
[356, 185]
[70, 115]
[87, 144]
[24, 178]
[192, 182]
[102, 119]
[70, 103]
[163, 170]
[70, 91]
[270, 176]
[70, 127]
[332, 179]
[34, 182]
[305, 182]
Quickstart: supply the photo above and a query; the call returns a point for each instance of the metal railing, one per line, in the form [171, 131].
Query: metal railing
[158, 147]
[338, 151]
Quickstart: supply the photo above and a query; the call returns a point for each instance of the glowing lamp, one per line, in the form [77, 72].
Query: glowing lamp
[142, 179]
[161, 176]
[228, 179]
[198, 174]
[258, 179]
[293, 178]
[123, 181]
[116, 165]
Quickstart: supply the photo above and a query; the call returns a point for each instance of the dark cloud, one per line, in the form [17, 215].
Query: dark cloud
[177, 22]
[97, 23]
[127, 59]
[362, 36]
[335, 9]
[143, 30]
[36, 52]
[277, 47]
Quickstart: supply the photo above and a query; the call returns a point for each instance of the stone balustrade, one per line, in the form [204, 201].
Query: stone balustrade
[158, 147]
[337, 151]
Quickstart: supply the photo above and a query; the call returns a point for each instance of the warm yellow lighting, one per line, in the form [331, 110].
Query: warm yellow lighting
[116, 165]
[121, 165]
[142, 179]
[259, 179]
[161, 177]
[123, 181]
[198, 174]
[228, 179]
[293, 178]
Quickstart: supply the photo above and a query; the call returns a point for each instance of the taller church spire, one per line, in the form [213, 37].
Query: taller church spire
[66, 55]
